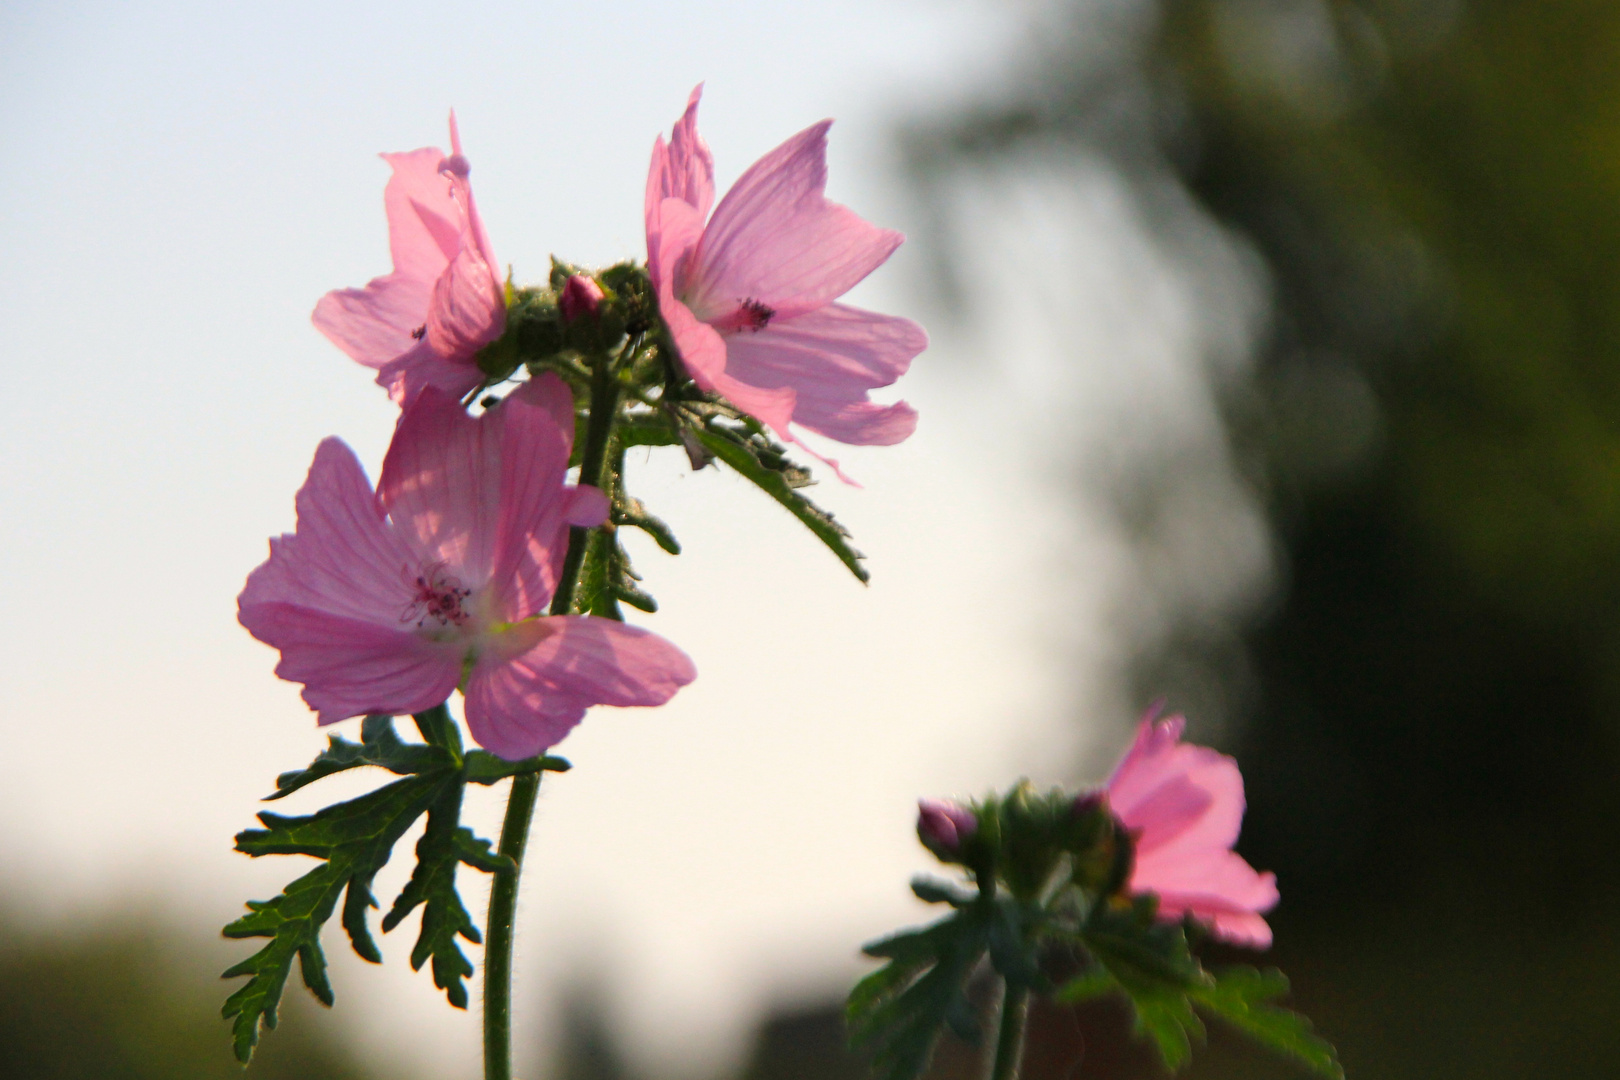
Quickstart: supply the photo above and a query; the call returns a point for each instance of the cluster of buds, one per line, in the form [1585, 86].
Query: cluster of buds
[1031, 842]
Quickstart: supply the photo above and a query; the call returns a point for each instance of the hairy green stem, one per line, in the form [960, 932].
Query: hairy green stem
[1010, 1038]
[604, 406]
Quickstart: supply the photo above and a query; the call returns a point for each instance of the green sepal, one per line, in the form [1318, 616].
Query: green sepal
[355, 838]
[485, 768]
[1244, 997]
[378, 745]
[903, 1006]
[749, 461]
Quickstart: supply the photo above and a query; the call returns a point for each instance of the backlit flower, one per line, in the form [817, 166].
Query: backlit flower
[1184, 806]
[423, 324]
[386, 602]
[748, 297]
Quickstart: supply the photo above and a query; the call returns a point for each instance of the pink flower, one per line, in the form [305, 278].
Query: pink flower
[423, 324]
[943, 826]
[581, 295]
[1184, 805]
[386, 602]
[748, 297]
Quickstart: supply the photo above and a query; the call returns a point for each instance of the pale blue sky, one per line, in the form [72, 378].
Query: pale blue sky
[182, 181]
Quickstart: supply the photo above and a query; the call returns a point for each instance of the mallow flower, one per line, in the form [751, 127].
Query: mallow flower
[423, 324]
[1183, 804]
[749, 293]
[387, 602]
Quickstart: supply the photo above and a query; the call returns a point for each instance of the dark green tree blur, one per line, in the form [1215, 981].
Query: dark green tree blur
[1429, 703]
[115, 1002]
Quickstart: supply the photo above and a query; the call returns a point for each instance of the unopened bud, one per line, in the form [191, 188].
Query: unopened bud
[581, 295]
[944, 826]
[1089, 802]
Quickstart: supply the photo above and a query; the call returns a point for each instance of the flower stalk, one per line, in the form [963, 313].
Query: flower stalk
[604, 407]
[1010, 1033]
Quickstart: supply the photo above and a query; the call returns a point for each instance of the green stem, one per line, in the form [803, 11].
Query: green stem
[1010, 1039]
[503, 894]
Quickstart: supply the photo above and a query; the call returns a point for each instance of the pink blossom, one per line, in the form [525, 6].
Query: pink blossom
[423, 324]
[386, 602]
[581, 295]
[749, 296]
[1184, 806]
[943, 826]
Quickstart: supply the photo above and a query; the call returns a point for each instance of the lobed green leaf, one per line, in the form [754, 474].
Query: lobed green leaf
[746, 460]
[904, 1006]
[1243, 996]
[355, 839]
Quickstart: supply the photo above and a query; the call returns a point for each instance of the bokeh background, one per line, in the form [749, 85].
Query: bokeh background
[1276, 372]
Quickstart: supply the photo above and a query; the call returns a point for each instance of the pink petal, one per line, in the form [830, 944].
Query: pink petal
[420, 325]
[441, 485]
[468, 310]
[1184, 804]
[331, 597]
[353, 668]
[534, 429]
[683, 169]
[526, 704]
[775, 238]
[344, 559]
[831, 357]
[422, 367]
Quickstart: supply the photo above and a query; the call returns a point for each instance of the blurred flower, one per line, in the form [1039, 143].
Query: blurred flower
[581, 295]
[423, 324]
[384, 603]
[1184, 805]
[748, 297]
[943, 826]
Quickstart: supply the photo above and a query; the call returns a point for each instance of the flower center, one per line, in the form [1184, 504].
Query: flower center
[749, 315]
[437, 599]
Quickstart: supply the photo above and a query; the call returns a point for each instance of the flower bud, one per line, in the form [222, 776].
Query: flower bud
[1089, 802]
[944, 826]
[581, 295]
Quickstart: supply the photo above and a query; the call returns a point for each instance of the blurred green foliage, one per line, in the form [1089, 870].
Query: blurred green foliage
[1430, 703]
[115, 1002]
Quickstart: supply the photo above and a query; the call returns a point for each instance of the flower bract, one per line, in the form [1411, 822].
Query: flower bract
[1183, 805]
[749, 293]
[423, 324]
[385, 602]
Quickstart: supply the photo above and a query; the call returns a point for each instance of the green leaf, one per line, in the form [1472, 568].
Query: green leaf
[433, 887]
[1012, 947]
[904, 1005]
[1168, 1019]
[485, 768]
[630, 511]
[1087, 986]
[646, 429]
[1140, 950]
[354, 839]
[1150, 961]
[378, 745]
[746, 459]
[931, 890]
[1242, 997]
